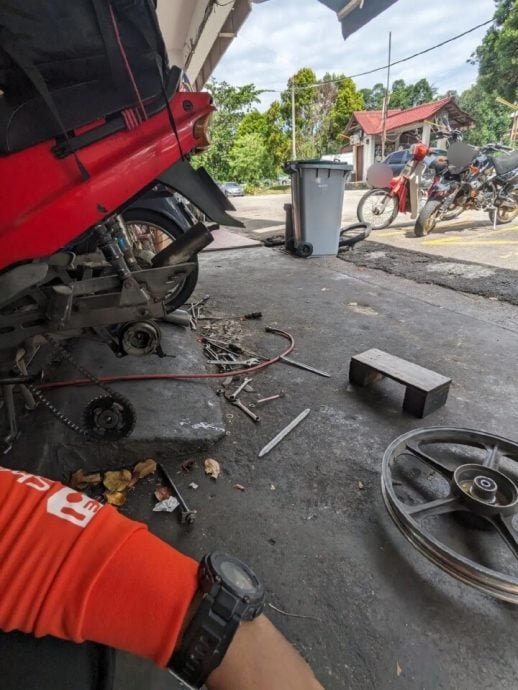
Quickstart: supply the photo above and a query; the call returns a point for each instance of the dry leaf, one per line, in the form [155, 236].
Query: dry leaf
[81, 481]
[115, 498]
[117, 480]
[240, 487]
[212, 468]
[361, 485]
[142, 469]
[162, 492]
[399, 670]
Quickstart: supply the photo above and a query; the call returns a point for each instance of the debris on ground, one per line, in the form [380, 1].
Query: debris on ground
[239, 487]
[187, 465]
[399, 670]
[253, 315]
[294, 615]
[168, 505]
[212, 468]
[143, 469]
[79, 480]
[117, 480]
[115, 498]
[162, 492]
[361, 485]
[193, 485]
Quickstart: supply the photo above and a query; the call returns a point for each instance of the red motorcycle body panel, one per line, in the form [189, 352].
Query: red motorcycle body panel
[44, 202]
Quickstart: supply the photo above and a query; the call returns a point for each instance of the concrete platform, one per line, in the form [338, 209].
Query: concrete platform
[172, 416]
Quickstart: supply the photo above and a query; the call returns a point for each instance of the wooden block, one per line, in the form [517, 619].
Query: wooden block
[426, 390]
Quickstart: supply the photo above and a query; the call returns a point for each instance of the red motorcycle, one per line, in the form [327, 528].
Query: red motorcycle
[390, 195]
[76, 149]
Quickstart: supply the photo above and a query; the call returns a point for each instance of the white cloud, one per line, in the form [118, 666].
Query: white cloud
[281, 36]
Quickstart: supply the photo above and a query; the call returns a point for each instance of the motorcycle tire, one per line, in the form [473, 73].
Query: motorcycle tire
[384, 221]
[161, 222]
[455, 213]
[503, 215]
[427, 219]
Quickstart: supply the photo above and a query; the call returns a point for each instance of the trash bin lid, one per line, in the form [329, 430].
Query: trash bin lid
[293, 166]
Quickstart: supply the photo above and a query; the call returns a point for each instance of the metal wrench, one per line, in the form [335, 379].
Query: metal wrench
[234, 396]
[245, 409]
[186, 514]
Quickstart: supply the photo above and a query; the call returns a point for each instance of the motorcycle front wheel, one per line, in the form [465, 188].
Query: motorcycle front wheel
[377, 209]
[503, 214]
[427, 218]
[152, 232]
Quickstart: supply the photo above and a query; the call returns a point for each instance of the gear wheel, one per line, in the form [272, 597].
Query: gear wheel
[109, 417]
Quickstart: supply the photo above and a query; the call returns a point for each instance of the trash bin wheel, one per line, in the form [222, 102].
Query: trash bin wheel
[304, 249]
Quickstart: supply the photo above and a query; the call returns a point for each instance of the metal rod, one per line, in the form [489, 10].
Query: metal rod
[288, 360]
[386, 100]
[277, 439]
[293, 134]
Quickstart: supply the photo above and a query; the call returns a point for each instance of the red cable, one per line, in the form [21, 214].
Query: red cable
[172, 377]
[126, 61]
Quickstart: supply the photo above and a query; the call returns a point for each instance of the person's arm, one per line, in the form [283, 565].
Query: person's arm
[79, 571]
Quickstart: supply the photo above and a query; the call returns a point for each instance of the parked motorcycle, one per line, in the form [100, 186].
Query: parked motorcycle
[86, 233]
[475, 179]
[405, 193]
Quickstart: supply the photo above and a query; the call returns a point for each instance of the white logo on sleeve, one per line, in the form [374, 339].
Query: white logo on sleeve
[73, 506]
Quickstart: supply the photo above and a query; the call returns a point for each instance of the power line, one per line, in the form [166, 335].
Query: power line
[396, 62]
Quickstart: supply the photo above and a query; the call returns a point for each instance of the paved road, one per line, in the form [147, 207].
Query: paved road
[470, 237]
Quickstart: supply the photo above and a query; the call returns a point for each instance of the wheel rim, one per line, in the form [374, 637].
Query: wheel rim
[476, 475]
[150, 239]
[378, 209]
[430, 222]
[506, 215]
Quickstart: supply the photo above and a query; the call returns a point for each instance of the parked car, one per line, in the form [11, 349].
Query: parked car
[233, 189]
[398, 159]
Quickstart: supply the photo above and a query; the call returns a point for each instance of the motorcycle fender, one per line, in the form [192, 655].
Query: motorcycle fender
[201, 190]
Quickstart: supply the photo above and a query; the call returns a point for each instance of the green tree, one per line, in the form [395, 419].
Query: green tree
[277, 138]
[400, 95]
[232, 103]
[492, 121]
[249, 159]
[422, 92]
[497, 57]
[305, 110]
[252, 123]
[373, 98]
[347, 100]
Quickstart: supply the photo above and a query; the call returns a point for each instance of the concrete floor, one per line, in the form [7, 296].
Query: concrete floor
[325, 548]
[381, 616]
[470, 237]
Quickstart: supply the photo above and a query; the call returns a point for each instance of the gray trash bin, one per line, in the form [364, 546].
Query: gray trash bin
[317, 193]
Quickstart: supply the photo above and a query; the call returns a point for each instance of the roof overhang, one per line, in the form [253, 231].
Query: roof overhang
[198, 32]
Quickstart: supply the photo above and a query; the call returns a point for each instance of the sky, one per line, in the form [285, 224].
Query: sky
[281, 36]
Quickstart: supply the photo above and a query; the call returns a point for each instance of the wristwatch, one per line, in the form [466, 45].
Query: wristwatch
[231, 593]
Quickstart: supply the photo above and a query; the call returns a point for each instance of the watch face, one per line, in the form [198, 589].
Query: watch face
[237, 576]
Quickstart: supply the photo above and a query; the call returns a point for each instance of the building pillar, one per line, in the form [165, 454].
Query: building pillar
[427, 130]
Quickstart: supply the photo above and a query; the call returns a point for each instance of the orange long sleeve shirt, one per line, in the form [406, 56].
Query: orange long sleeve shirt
[74, 569]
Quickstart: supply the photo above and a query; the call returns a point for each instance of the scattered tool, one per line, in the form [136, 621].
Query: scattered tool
[244, 409]
[284, 432]
[186, 514]
[288, 360]
[234, 396]
[271, 397]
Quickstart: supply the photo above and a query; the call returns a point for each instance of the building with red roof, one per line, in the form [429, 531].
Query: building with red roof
[365, 129]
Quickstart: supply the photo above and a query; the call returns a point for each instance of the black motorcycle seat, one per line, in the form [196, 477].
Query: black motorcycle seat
[503, 164]
[27, 122]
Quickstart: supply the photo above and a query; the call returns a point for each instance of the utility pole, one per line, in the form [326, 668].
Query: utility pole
[386, 99]
[293, 134]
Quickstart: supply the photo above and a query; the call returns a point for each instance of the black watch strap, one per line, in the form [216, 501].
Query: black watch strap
[207, 638]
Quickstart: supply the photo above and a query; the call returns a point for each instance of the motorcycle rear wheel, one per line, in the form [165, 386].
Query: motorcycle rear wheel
[427, 219]
[158, 231]
[504, 215]
[371, 212]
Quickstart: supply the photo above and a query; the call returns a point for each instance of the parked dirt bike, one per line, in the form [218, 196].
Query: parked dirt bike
[86, 169]
[474, 179]
[405, 193]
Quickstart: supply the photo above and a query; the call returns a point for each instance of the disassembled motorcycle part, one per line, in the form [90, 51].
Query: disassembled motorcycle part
[109, 418]
[283, 433]
[482, 472]
[139, 338]
[234, 396]
[245, 409]
[186, 514]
